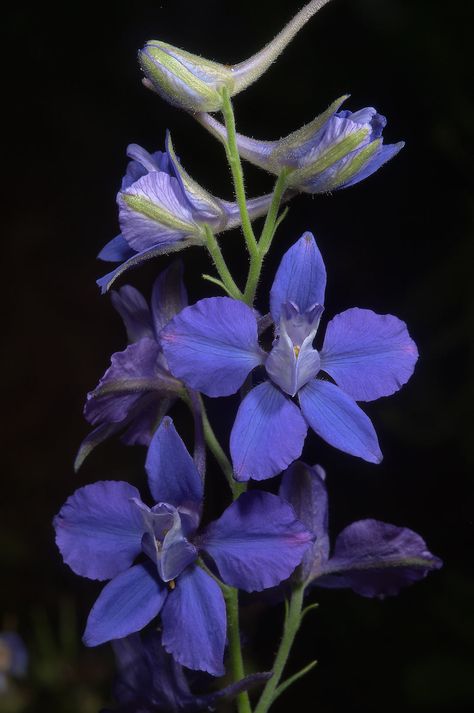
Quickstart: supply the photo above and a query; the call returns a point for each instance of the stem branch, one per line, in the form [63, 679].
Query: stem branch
[292, 624]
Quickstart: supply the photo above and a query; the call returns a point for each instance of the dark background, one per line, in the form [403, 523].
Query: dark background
[400, 242]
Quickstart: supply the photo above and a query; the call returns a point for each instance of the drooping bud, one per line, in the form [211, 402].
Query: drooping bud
[336, 150]
[193, 83]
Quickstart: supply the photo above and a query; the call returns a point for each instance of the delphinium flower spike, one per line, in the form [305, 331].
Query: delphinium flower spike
[137, 390]
[163, 210]
[104, 527]
[213, 346]
[193, 83]
[336, 150]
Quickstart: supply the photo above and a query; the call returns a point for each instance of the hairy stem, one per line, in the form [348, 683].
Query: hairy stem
[268, 233]
[235, 164]
[292, 624]
[245, 73]
[221, 266]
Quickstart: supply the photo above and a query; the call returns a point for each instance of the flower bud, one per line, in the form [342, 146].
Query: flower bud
[193, 83]
[184, 79]
[336, 150]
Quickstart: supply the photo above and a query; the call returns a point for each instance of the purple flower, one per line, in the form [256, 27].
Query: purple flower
[213, 346]
[137, 390]
[336, 150]
[150, 680]
[370, 557]
[104, 527]
[162, 210]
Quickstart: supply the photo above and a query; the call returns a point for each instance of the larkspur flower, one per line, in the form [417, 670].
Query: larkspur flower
[104, 527]
[137, 390]
[373, 558]
[213, 346]
[163, 210]
[149, 680]
[193, 83]
[336, 150]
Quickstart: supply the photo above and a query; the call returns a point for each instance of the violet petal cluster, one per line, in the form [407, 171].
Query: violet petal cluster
[336, 150]
[137, 390]
[163, 210]
[103, 528]
[373, 558]
[212, 346]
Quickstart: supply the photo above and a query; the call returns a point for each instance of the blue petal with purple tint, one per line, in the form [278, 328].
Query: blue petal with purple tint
[257, 542]
[213, 345]
[268, 434]
[335, 417]
[194, 622]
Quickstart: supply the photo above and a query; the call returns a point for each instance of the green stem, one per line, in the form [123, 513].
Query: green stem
[292, 624]
[221, 266]
[268, 233]
[231, 597]
[235, 164]
[218, 453]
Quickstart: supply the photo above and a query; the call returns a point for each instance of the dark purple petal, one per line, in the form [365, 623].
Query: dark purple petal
[268, 434]
[301, 278]
[126, 605]
[304, 488]
[116, 250]
[369, 355]
[168, 296]
[194, 622]
[148, 677]
[172, 476]
[145, 418]
[132, 373]
[335, 417]
[98, 529]
[257, 542]
[376, 559]
[213, 345]
[132, 307]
